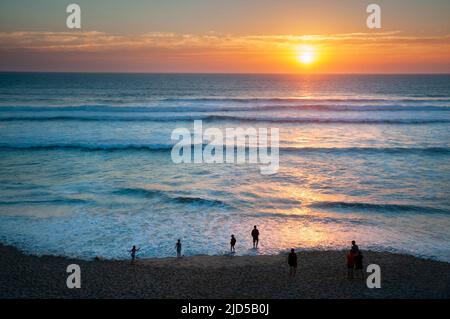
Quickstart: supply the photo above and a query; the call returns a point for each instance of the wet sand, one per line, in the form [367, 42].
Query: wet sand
[321, 274]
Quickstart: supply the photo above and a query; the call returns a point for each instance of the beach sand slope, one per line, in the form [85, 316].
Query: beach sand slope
[321, 274]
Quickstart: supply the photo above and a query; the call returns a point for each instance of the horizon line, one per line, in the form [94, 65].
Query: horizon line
[229, 73]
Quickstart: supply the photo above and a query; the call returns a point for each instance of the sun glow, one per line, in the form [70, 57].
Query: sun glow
[306, 54]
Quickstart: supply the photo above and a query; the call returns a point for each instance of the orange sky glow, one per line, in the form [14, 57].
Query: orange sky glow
[237, 37]
[381, 52]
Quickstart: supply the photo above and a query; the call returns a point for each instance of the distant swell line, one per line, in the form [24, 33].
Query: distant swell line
[378, 207]
[326, 120]
[303, 99]
[390, 150]
[127, 103]
[151, 193]
[294, 150]
[220, 108]
[213, 118]
[46, 202]
[87, 147]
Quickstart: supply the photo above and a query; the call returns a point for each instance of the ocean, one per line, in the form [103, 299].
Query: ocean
[86, 168]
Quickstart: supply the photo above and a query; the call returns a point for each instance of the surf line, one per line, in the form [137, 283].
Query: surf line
[241, 145]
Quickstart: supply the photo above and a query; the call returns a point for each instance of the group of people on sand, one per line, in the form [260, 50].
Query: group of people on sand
[354, 262]
[134, 250]
[255, 237]
[354, 257]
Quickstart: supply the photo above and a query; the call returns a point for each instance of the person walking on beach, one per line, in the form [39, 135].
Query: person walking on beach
[359, 263]
[255, 235]
[133, 252]
[350, 264]
[232, 243]
[178, 248]
[292, 262]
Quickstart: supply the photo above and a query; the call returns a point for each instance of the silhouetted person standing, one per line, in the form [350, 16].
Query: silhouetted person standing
[255, 235]
[354, 250]
[178, 247]
[350, 264]
[292, 262]
[359, 263]
[133, 252]
[232, 243]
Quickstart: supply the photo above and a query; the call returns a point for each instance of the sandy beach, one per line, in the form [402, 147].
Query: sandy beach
[321, 274]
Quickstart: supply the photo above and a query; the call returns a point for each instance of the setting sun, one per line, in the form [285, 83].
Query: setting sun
[306, 54]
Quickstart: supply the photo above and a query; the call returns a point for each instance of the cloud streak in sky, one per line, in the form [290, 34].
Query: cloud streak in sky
[211, 50]
[100, 41]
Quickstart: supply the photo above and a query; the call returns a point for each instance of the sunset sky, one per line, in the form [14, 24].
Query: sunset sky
[284, 36]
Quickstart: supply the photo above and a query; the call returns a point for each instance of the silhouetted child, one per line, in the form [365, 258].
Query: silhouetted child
[232, 243]
[292, 262]
[359, 263]
[133, 252]
[350, 265]
[255, 236]
[178, 247]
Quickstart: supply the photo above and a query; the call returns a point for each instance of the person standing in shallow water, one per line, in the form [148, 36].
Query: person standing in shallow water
[178, 248]
[292, 262]
[255, 236]
[133, 252]
[232, 243]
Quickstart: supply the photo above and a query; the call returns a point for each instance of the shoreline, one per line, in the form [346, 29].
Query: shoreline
[321, 274]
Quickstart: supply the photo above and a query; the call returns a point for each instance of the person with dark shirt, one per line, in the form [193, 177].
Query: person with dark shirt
[232, 243]
[292, 262]
[354, 248]
[178, 247]
[255, 235]
[359, 263]
[133, 252]
[350, 265]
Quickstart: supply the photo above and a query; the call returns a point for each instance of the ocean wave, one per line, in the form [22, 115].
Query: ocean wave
[168, 195]
[168, 147]
[307, 99]
[135, 100]
[89, 147]
[311, 218]
[228, 118]
[325, 120]
[46, 202]
[145, 192]
[221, 108]
[378, 207]
[198, 200]
[389, 150]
